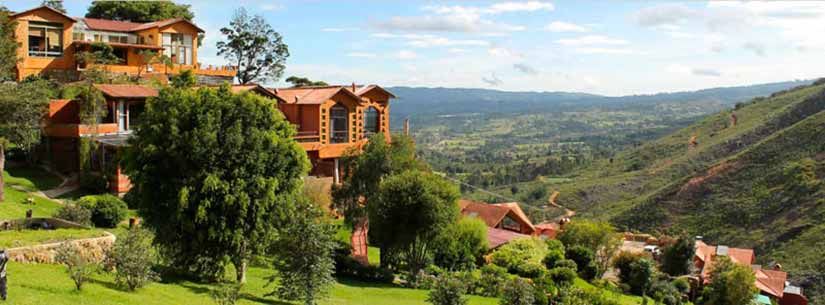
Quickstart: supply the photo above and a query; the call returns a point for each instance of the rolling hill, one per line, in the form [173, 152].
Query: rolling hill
[758, 184]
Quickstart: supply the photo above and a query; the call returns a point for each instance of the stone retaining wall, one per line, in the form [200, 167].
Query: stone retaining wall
[45, 253]
[23, 223]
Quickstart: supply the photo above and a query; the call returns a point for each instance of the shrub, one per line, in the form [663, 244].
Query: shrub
[633, 273]
[585, 261]
[447, 290]
[461, 245]
[579, 296]
[81, 265]
[74, 213]
[226, 294]
[518, 252]
[132, 259]
[664, 292]
[346, 266]
[517, 292]
[565, 263]
[492, 279]
[678, 257]
[531, 270]
[562, 276]
[93, 182]
[107, 210]
[555, 253]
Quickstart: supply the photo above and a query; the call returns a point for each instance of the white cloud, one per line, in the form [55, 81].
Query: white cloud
[462, 19]
[493, 80]
[457, 51]
[665, 14]
[442, 42]
[499, 51]
[755, 47]
[361, 54]
[406, 55]
[529, 6]
[591, 40]
[560, 26]
[602, 50]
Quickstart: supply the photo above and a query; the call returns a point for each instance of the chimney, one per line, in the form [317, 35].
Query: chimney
[407, 126]
[353, 87]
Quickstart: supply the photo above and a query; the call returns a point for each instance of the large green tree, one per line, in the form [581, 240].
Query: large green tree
[297, 81]
[254, 47]
[216, 174]
[730, 284]
[408, 212]
[364, 172]
[22, 107]
[8, 45]
[139, 11]
[55, 4]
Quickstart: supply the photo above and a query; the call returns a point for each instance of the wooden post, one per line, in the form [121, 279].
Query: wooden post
[407, 126]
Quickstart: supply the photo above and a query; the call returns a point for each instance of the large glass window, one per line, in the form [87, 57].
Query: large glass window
[370, 122]
[178, 47]
[338, 123]
[45, 39]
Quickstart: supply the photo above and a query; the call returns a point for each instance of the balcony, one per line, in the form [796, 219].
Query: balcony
[78, 130]
[308, 136]
[225, 71]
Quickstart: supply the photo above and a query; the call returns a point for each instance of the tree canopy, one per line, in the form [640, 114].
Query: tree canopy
[216, 173]
[678, 257]
[406, 214]
[730, 284]
[139, 11]
[364, 171]
[254, 47]
[303, 82]
[599, 237]
[55, 4]
[8, 45]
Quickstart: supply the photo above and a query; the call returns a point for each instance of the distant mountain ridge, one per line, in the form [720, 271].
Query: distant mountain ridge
[414, 101]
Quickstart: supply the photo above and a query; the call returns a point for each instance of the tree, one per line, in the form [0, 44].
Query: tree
[599, 237]
[79, 264]
[409, 210]
[148, 57]
[139, 11]
[55, 4]
[132, 258]
[462, 245]
[447, 290]
[678, 257]
[517, 292]
[730, 284]
[303, 82]
[8, 45]
[305, 248]
[216, 173]
[256, 49]
[185, 79]
[365, 171]
[22, 107]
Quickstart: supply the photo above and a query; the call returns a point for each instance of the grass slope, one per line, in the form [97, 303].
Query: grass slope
[31, 284]
[760, 184]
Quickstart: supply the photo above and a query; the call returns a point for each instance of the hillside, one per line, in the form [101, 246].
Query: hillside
[759, 184]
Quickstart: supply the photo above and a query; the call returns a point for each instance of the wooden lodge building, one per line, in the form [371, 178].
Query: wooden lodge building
[49, 41]
[331, 120]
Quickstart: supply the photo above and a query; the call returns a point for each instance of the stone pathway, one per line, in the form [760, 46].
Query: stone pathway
[359, 242]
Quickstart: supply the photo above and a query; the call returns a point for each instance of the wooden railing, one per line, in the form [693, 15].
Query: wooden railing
[308, 136]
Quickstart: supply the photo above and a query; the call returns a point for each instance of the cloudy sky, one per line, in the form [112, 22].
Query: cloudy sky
[613, 48]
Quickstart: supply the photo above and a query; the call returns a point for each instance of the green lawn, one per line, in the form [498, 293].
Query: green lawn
[13, 238]
[31, 178]
[15, 205]
[49, 284]
[623, 299]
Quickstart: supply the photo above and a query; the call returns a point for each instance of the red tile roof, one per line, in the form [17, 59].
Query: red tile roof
[771, 282]
[520, 216]
[126, 26]
[110, 25]
[493, 214]
[127, 91]
[498, 237]
[40, 8]
[361, 90]
[314, 95]
[254, 87]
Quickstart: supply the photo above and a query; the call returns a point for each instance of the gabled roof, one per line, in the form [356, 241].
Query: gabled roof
[110, 25]
[163, 23]
[313, 95]
[498, 237]
[493, 214]
[127, 26]
[46, 8]
[771, 282]
[359, 91]
[253, 87]
[127, 91]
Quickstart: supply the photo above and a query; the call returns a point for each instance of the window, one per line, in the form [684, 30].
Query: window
[78, 36]
[119, 38]
[178, 47]
[98, 38]
[338, 123]
[370, 122]
[45, 39]
[135, 110]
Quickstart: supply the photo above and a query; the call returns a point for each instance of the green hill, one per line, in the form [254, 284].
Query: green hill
[759, 184]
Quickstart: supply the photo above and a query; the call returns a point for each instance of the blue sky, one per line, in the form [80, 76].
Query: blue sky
[606, 47]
